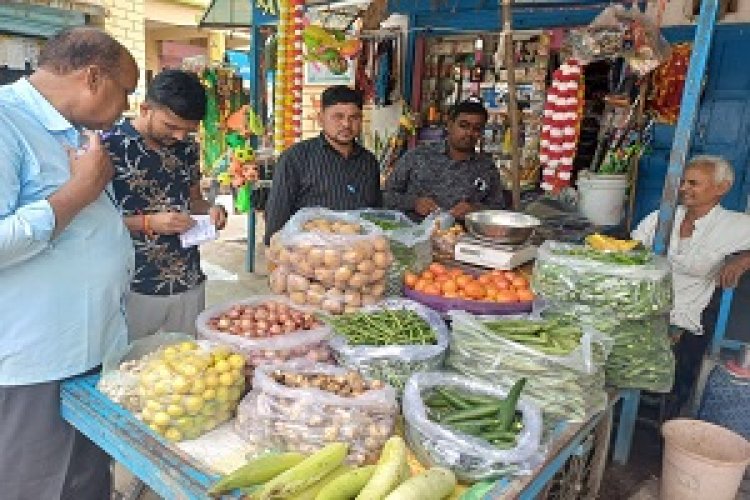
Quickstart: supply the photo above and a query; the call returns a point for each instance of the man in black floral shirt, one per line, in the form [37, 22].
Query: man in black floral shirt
[156, 184]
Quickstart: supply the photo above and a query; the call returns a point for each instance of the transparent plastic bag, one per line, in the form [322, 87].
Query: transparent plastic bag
[469, 457]
[621, 32]
[336, 254]
[624, 291]
[308, 344]
[189, 388]
[324, 294]
[569, 387]
[409, 242]
[122, 368]
[641, 356]
[274, 416]
[395, 364]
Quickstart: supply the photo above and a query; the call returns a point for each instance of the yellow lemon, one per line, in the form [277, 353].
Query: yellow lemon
[222, 394]
[198, 387]
[180, 384]
[211, 380]
[175, 410]
[161, 418]
[226, 379]
[209, 395]
[173, 434]
[222, 366]
[187, 346]
[192, 404]
[236, 361]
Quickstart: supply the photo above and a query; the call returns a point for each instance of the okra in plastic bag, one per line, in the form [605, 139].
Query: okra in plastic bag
[301, 407]
[564, 363]
[469, 457]
[641, 356]
[625, 285]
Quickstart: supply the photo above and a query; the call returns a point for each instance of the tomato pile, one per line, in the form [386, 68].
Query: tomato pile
[492, 286]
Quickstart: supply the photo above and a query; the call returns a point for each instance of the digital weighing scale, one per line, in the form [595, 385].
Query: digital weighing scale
[486, 252]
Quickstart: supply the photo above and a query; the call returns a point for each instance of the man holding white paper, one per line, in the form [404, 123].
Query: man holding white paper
[156, 184]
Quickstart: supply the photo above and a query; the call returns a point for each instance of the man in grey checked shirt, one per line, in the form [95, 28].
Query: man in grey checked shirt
[449, 175]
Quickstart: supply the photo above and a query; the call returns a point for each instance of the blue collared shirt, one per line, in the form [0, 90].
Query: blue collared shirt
[60, 299]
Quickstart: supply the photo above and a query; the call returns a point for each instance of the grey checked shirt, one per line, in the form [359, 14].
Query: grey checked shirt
[428, 171]
[313, 174]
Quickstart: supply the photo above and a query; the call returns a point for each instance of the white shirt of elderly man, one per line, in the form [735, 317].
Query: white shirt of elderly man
[703, 235]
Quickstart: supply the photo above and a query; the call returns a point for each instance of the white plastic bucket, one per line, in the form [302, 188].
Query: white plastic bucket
[601, 198]
[701, 461]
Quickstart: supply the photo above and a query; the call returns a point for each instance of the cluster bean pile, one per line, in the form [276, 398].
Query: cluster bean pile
[626, 295]
[390, 341]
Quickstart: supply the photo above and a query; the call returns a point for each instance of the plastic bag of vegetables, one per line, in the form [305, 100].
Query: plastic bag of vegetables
[301, 407]
[189, 388]
[409, 241]
[330, 260]
[266, 330]
[469, 456]
[121, 368]
[390, 341]
[627, 285]
[641, 356]
[563, 362]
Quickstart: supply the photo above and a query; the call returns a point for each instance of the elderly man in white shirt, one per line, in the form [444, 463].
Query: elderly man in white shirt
[703, 236]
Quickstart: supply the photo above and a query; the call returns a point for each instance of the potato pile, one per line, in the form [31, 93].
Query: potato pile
[331, 265]
[307, 408]
[186, 390]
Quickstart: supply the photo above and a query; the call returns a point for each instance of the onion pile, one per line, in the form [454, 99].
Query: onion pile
[262, 320]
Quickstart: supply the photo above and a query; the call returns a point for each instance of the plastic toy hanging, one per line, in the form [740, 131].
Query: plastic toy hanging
[330, 48]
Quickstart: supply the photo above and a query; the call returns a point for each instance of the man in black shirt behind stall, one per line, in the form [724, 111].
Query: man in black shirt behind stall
[449, 175]
[331, 170]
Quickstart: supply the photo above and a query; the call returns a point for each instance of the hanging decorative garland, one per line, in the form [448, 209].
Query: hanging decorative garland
[563, 110]
[279, 110]
[297, 65]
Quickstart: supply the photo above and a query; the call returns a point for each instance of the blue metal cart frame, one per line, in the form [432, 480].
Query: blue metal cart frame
[172, 474]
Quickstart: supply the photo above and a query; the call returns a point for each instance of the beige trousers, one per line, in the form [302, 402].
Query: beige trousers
[148, 314]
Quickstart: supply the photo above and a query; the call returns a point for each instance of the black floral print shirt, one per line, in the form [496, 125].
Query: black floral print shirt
[147, 181]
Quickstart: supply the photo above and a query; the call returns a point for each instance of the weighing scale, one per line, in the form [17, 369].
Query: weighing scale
[486, 252]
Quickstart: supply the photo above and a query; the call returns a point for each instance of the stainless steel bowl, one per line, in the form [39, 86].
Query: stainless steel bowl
[502, 226]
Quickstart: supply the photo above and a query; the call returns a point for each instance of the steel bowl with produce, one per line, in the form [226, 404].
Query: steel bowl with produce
[502, 226]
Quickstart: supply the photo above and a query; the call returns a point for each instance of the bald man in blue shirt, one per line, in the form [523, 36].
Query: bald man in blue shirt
[65, 259]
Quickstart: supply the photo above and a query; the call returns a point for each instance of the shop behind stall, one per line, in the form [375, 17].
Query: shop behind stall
[434, 346]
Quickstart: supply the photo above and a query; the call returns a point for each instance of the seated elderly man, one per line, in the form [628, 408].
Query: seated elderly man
[703, 237]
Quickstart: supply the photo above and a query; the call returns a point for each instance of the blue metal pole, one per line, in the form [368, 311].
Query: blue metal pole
[626, 426]
[688, 113]
[253, 60]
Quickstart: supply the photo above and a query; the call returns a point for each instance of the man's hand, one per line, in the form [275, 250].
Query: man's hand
[90, 170]
[732, 271]
[218, 216]
[170, 222]
[424, 206]
[462, 209]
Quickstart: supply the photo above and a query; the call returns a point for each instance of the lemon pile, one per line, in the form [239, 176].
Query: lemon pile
[186, 390]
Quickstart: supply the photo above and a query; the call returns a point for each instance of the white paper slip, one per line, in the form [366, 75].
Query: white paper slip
[201, 232]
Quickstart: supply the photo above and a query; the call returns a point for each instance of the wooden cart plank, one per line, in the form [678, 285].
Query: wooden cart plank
[166, 470]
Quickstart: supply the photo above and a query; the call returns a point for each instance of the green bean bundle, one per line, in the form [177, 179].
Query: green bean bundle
[383, 328]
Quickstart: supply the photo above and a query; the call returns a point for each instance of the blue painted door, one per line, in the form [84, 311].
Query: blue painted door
[723, 125]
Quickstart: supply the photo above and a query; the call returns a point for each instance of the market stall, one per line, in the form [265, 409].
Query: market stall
[338, 373]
